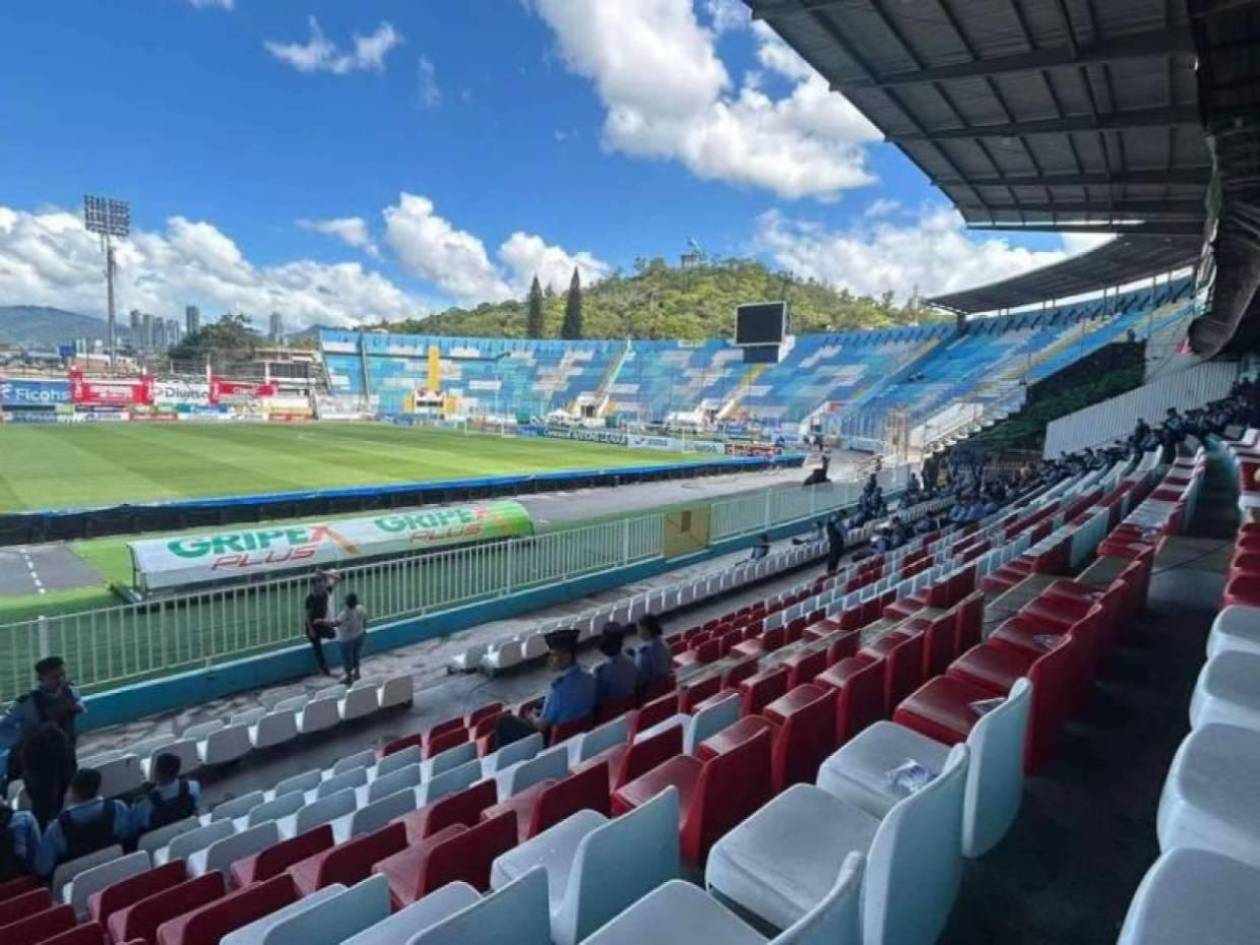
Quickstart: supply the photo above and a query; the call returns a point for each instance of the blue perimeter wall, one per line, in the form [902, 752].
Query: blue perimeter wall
[170, 693]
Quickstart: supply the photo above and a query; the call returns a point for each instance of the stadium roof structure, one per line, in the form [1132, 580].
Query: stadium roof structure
[1067, 115]
[1126, 259]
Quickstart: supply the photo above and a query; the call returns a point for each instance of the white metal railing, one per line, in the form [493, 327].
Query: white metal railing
[112, 646]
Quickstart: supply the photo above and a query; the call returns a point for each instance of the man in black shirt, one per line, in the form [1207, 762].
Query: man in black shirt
[318, 616]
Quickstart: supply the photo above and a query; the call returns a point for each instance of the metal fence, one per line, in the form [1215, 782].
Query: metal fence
[113, 646]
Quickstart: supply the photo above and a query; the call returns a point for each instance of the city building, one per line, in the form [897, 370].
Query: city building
[277, 328]
[192, 319]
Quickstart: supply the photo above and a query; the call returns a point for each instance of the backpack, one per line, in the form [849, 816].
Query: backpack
[165, 811]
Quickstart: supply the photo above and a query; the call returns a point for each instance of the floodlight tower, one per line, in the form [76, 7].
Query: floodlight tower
[108, 218]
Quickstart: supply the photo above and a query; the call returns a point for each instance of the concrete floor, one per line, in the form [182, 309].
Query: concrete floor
[1086, 832]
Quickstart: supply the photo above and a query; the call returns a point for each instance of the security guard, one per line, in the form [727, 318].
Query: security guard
[19, 842]
[571, 696]
[54, 701]
[169, 799]
[616, 677]
[653, 659]
[89, 823]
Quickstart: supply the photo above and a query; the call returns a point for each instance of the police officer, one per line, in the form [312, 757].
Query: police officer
[169, 799]
[653, 659]
[19, 842]
[571, 696]
[616, 677]
[89, 823]
[52, 702]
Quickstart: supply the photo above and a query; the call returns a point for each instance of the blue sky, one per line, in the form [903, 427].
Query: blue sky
[340, 161]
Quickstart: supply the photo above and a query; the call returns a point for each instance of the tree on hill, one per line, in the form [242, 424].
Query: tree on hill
[572, 326]
[655, 300]
[535, 326]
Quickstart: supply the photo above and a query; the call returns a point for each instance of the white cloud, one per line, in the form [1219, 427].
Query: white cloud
[933, 254]
[727, 15]
[47, 258]
[882, 207]
[320, 54]
[353, 231]
[668, 95]
[430, 93]
[213, 4]
[433, 248]
[526, 254]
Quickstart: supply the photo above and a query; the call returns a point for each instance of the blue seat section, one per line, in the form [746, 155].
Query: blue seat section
[999, 354]
[920, 369]
[485, 375]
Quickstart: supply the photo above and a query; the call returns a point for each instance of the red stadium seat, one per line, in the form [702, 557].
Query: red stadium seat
[462, 808]
[713, 796]
[119, 895]
[482, 732]
[140, 920]
[631, 759]
[27, 903]
[208, 924]
[614, 708]
[350, 862]
[467, 856]
[89, 933]
[762, 689]
[658, 710]
[691, 694]
[566, 730]
[38, 926]
[661, 686]
[841, 647]
[942, 710]
[18, 886]
[548, 802]
[401, 744]
[403, 871]
[940, 637]
[969, 622]
[820, 628]
[738, 673]
[490, 710]
[804, 666]
[280, 856]
[805, 737]
[442, 728]
[768, 642]
[859, 687]
[436, 744]
[902, 657]
[735, 735]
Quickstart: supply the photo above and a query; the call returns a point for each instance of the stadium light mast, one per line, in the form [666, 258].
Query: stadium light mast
[108, 218]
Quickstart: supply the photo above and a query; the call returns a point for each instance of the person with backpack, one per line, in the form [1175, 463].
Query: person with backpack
[19, 842]
[47, 765]
[53, 701]
[167, 800]
[88, 824]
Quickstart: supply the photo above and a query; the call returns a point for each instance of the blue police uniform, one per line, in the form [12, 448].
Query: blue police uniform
[616, 678]
[55, 847]
[654, 661]
[22, 716]
[571, 697]
[142, 809]
[18, 845]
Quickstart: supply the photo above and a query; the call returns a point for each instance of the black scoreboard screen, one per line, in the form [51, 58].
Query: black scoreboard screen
[761, 323]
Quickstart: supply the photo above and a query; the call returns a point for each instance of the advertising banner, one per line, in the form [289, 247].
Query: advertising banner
[178, 393]
[24, 393]
[111, 392]
[218, 556]
[752, 449]
[616, 437]
[223, 391]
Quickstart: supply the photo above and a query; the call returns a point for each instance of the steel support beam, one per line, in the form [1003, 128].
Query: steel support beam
[1115, 121]
[1153, 228]
[1174, 176]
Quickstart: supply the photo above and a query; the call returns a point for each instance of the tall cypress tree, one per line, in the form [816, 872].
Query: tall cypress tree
[572, 326]
[534, 327]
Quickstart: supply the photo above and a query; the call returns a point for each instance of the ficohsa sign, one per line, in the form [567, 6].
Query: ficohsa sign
[200, 559]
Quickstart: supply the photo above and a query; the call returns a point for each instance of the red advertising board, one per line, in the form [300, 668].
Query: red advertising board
[224, 391]
[110, 392]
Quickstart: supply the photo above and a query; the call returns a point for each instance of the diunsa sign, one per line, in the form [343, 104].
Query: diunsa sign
[183, 560]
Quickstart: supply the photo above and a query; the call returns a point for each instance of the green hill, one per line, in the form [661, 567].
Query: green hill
[658, 301]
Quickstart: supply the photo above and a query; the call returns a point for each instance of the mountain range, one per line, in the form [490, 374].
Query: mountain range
[38, 326]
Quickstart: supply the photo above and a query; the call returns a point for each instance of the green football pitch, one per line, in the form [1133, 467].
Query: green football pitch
[67, 466]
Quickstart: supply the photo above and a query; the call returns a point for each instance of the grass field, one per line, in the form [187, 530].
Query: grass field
[63, 466]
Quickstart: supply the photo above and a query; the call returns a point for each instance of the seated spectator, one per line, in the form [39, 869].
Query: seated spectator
[816, 534]
[89, 823]
[19, 842]
[761, 548]
[169, 799]
[925, 525]
[571, 696]
[617, 677]
[818, 476]
[653, 658]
